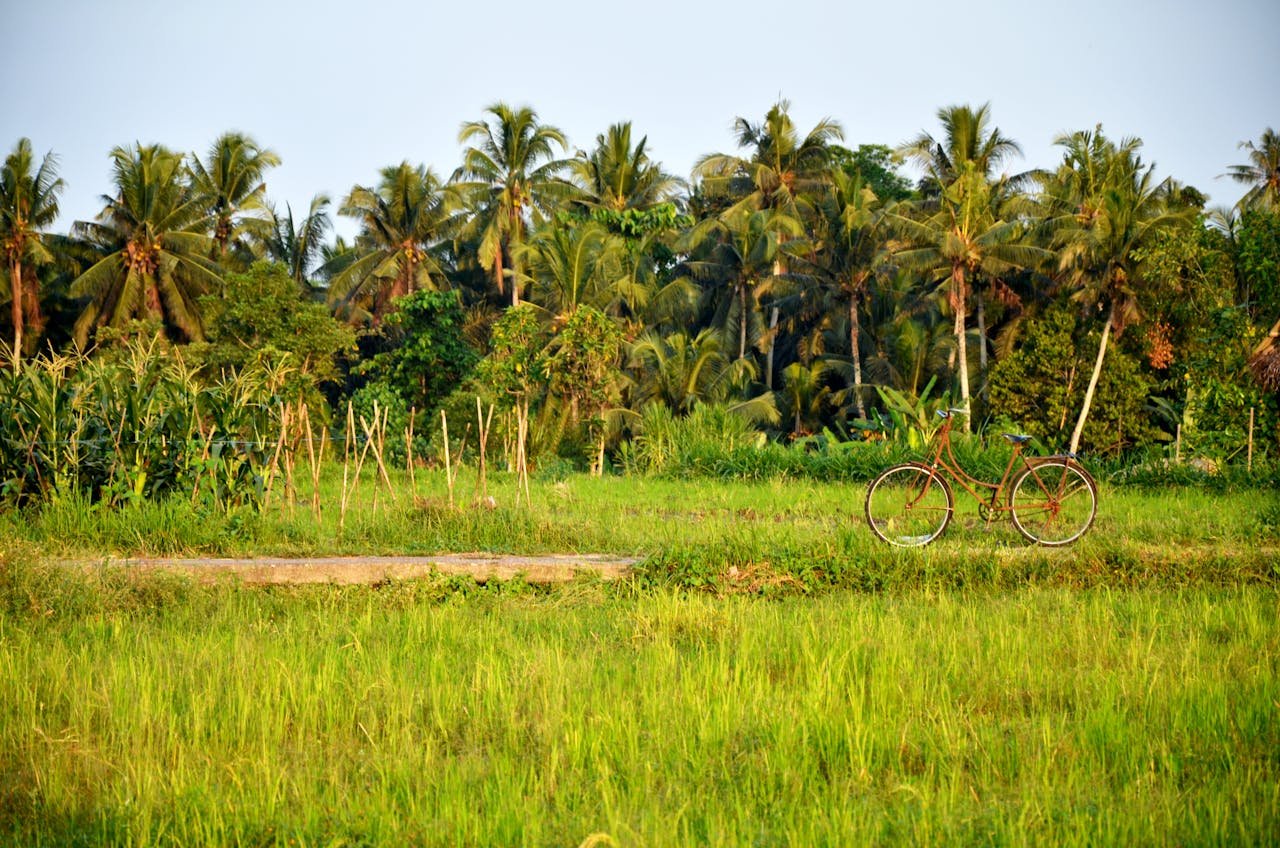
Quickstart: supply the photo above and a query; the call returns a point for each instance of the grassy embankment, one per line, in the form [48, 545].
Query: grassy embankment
[1121, 692]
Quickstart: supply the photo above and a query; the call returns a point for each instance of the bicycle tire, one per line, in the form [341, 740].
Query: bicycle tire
[1053, 502]
[909, 505]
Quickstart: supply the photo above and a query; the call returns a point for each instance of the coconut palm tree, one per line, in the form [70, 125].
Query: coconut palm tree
[230, 180]
[968, 223]
[617, 176]
[403, 222]
[28, 204]
[1261, 174]
[1102, 206]
[784, 174]
[510, 177]
[682, 371]
[954, 238]
[299, 245]
[850, 246]
[154, 243]
[742, 249]
[568, 266]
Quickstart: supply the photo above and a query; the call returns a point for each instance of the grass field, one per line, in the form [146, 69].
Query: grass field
[770, 677]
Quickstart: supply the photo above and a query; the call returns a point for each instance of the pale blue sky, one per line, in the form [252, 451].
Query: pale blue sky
[340, 89]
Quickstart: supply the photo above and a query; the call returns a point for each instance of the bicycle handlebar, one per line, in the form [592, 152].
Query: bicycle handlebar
[947, 413]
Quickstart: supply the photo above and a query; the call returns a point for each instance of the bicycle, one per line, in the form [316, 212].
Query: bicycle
[1052, 500]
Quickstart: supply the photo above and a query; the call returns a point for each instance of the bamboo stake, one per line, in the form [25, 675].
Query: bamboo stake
[448, 466]
[314, 466]
[377, 436]
[1249, 463]
[484, 425]
[348, 438]
[408, 454]
[1177, 445]
[273, 468]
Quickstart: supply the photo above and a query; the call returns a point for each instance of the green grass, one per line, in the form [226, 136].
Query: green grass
[412, 713]
[693, 533]
[770, 676]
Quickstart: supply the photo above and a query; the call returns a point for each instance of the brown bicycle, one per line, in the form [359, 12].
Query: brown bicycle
[1051, 499]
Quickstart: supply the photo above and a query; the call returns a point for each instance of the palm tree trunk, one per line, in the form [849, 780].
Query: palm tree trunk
[15, 277]
[742, 321]
[778, 270]
[982, 340]
[32, 316]
[962, 348]
[1093, 380]
[768, 366]
[854, 332]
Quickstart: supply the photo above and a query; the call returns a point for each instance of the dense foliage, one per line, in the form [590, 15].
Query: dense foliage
[804, 286]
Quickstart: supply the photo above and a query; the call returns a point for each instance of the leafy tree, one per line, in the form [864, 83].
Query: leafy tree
[1039, 385]
[875, 165]
[1256, 253]
[264, 320]
[583, 368]
[517, 368]
[28, 204]
[153, 241]
[230, 181]
[743, 249]
[1102, 207]
[1261, 174]
[424, 356]
[851, 244]
[969, 222]
[402, 224]
[510, 176]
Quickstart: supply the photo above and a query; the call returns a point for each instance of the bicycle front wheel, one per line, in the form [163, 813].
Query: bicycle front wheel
[1053, 502]
[909, 505]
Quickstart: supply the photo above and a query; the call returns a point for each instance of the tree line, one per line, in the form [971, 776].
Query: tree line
[801, 282]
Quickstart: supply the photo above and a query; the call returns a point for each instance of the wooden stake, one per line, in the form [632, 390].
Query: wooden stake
[311, 459]
[1177, 445]
[408, 454]
[1249, 464]
[376, 434]
[448, 465]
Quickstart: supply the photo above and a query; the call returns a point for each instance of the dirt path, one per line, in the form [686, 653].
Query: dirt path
[557, 568]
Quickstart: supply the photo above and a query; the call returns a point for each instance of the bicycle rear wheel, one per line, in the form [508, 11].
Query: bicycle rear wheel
[1053, 502]
[909, 505]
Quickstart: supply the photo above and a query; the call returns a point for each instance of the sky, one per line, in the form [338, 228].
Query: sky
[342, 89]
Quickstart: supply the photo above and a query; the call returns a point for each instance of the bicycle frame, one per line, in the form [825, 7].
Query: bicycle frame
[944, 459]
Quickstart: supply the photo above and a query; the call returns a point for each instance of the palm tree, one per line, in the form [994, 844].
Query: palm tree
[851, 245]
[617, 177]
[968, 222]
[28, 204]
[510, 177]
[569, 266]
[682, 371]
[1102, 206]
[742, 249]
[957, 237]
[967, 137]
[403, 222]
[153, 239]
[298, 245]
[231, 182]
[783, 174]
[1262, 174]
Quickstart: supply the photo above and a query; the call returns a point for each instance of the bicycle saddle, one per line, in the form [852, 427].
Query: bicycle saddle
[1017, 438]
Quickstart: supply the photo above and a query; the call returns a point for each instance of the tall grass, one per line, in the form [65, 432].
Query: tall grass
[413, 714]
